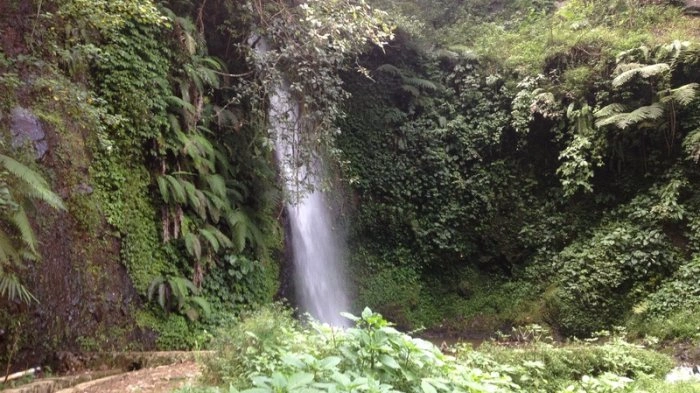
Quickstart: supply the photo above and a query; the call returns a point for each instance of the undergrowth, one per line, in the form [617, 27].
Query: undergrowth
[269, 351]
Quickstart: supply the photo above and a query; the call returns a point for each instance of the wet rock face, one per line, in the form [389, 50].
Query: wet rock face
[692, 7]
[26, 130]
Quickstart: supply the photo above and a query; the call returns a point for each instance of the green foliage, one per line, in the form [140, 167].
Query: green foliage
[268, 352]
[603, 276]
[242, 282]
[255, 344]
[679, 325]
[548, 159]
[20, 187]
[174, 331]
[652, 385]
[173, 293]
[583, 153]
[123, 191]
[306, 56]
[395, 292]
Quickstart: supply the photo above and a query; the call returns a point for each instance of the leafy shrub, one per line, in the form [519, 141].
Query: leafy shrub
[272, 354]
[676, 325]
[254, 345]
[174, 331]
[601, 276]
[375, 357]
[395, 292]
[556, 367]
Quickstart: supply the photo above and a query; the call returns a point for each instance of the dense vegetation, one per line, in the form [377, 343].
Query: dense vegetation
[268, 351]
[535, 165]
[505, 163]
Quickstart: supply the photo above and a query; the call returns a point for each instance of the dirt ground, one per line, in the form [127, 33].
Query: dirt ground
[161, 379]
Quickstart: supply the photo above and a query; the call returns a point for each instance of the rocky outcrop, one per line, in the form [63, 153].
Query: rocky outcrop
[28, 132]
[692, 7]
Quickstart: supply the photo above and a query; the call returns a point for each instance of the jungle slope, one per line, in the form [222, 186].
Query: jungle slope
[529, 162]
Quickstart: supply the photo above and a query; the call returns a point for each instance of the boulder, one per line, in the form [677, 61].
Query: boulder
[27, 131]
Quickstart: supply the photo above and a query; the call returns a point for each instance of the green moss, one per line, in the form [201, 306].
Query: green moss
[124, 192]
[174, 331]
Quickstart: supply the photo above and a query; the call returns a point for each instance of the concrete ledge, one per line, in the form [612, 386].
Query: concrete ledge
[111, 364]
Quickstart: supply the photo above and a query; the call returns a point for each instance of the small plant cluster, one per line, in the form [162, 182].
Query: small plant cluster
[268, 351]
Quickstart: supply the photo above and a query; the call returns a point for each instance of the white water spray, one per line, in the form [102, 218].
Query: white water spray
[318, 259]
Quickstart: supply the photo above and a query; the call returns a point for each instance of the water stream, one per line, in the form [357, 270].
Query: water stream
[317, 252]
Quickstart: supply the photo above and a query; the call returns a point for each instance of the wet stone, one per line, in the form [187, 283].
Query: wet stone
[26, 130]
[692, 7]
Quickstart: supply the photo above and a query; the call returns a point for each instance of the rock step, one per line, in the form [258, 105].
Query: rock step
[108, 365]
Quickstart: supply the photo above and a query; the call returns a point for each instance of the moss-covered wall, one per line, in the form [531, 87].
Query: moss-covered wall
[122, 91]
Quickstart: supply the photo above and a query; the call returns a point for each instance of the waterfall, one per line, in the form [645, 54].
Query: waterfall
[317, 253]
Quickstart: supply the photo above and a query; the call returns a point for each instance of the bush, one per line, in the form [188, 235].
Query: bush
[679, 325]
[268, 352]
[395, 292]
[558, 367]
[254, 344]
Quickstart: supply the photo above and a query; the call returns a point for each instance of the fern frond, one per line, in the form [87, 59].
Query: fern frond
[683, 95]
[33, 185]
[180, 104]
[163, 188]
[390, 69]
[215, 205]
[163, 296]
[609, 110]
[239, 223]
[421, 83]
[217, 184]
[177, 190]
[412, 90]
[12, 289]
[203, 304]
[21, 222]
[193, 245]
[643, 71]
[153, 287]
[223, 240]
[174, 122]
[624, 120]
[210, 238]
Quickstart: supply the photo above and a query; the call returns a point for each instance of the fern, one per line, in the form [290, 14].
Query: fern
[217, 185]
[11, 288]
[624, 120]
[21, 222]
[181, 104]
[390, 69]
[609, 110]
[644, 71]
[32, 184]
[691, 144]
[411, 90]
[421, 83]
[178, 294]
[683, 95]
[193, 245]
[19, 186]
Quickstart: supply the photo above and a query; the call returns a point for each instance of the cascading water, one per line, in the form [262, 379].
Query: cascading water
[318, 259]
